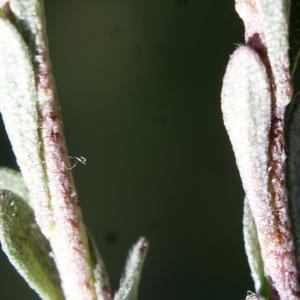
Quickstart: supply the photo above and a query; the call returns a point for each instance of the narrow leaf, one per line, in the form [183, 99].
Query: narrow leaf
[253, 252]
[18, 103]
[129, 283]
[101, 281]
[26, 247]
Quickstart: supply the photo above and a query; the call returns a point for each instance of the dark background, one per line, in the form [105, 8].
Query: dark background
[139, 86]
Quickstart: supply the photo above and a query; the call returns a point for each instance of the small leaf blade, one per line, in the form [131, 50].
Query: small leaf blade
[12, 180]
[27, 248]
[101, 281]
[253, 252]
[129, 283]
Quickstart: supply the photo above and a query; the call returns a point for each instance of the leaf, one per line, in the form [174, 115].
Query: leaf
[246, 106]
[26, 247]
[12, 180]
[129, 283]
[294, 34]
[28, 16]
[292, 169]
[18, 103]
[101, 281]
[253, 252]
[31, 117]
[266, 31]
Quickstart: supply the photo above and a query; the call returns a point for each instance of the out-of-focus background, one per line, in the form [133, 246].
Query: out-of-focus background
[139, 86]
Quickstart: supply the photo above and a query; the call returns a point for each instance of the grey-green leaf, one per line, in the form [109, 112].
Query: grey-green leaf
[18, 106]
[101, 280]
[12, 180]
[129, 283]
[292, 169]
[253, 252]
[26, 247]
[294, 34]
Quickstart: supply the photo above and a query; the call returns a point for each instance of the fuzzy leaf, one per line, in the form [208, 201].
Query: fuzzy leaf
[18, 106]
[101, 281]
[31, 116]
[129, 283]
[26, 247]
[29, 19]
[267, 31]
[12, 180]
[253, 252]
[246, 106]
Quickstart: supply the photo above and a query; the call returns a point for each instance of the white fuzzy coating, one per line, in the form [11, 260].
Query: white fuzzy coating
[130, 281]
[246, 106]
[274, 16]
[18, 108]
[248, 13]
[66, 231]
[270, 19]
